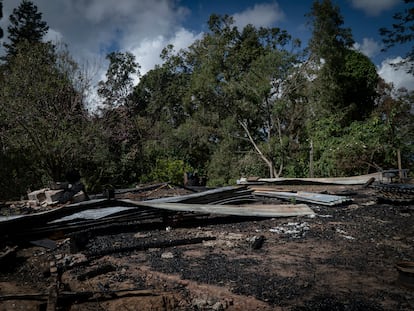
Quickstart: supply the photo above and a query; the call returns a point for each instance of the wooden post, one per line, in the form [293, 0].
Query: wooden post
[53, 289]
[400, 172]
[311, 159]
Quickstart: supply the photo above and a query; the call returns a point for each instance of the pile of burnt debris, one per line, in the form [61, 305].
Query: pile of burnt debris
[280, 244]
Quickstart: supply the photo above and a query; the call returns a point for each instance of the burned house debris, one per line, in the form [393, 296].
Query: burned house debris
[260, 245]
[70, 191]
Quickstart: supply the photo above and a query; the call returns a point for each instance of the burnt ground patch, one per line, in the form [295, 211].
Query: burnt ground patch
[344, 260]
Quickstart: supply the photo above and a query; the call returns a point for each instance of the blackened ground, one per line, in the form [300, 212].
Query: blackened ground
[342, 259]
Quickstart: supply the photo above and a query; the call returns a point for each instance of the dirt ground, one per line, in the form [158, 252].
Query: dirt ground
[342, 258]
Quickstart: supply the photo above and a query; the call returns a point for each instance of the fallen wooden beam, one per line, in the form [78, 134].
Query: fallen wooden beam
[252, 210]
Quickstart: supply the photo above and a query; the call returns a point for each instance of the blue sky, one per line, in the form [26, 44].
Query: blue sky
[363, 17]
[144, 27]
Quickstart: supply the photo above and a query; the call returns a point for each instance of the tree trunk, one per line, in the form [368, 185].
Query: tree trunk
[269, 163]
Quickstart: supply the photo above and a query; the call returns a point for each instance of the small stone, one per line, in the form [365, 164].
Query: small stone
[218, 306]
[199, 303]
[167, 255]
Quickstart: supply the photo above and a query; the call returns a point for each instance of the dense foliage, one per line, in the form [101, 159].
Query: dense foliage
[236, 102]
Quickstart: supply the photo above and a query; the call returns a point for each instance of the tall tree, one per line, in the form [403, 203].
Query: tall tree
[328, 47]
[342, 92]
[358, 81]
[158, 107]
[239, 76]
[44, 112]
[115, 119]
[119, 79]
[26, 24]
[401, 32]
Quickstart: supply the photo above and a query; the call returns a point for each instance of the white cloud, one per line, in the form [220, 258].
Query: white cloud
[53, 35]
[147, 51]
[396, 74]
[374, 7]
[369, 47]
[92, 28]
[261, 15]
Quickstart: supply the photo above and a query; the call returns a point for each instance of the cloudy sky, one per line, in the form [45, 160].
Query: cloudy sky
[92, 28]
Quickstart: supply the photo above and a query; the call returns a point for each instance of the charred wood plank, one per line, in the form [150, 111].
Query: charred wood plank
[35, 296]
[148, 245]
[249, 210]
[66, 297]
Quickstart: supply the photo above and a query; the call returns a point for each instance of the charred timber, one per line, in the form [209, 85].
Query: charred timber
[148, 245]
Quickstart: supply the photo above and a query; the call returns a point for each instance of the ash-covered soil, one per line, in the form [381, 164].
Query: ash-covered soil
[343, 258]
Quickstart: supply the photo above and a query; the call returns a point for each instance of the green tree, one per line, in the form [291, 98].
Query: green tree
[328, 47]
[25, 25]
[119, 79]
[401, 31]
[44, 117]
[358, 81]
[395, 109]
[158, 108]
[371, 144]
[239, 75]
[341, 94]
[121, 150]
